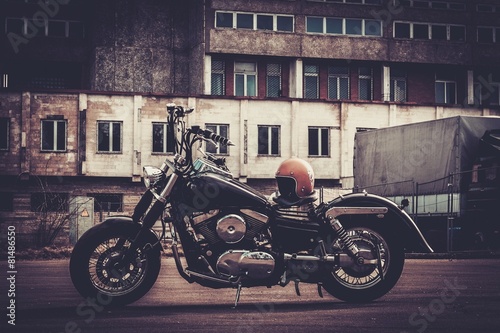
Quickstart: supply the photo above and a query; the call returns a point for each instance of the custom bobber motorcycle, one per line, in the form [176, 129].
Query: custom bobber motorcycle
[232, 236]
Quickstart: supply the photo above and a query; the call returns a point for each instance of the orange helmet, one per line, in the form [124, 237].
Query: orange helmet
[295, 179]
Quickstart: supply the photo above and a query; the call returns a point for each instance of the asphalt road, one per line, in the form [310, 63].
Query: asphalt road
[432, 296]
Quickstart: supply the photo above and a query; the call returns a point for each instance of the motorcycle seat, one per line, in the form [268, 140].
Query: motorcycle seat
[284, 201]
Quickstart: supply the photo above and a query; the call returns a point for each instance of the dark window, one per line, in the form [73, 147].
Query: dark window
[224, 20]
[76, 30]
[319, 141]
[421, 31]
[485, 35]
[14, 25]
[398, 85]
[222, 130]
[401, 30]
[57, 29]
[365, 84]
[163, 140]
[334, 26]
[53, 135]
[49, 202]
[273, 80]
[445, 92]
[457, 33]
[4, 133]
[311, 81]
[109, 136]
[265, 22]
[353, 27]
[284, 23]
[268, 140]
[338, 82]
[6, 202]
[315, 24]
[244, 21]
[107, 202]
[439, 32]
[373, 28]
[218, 80]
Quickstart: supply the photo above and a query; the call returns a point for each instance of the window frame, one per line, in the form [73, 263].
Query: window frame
[319, 140]
[430, 31]
[364, 77]
[234, 23]
[313, 75]
[55, 202]
[55, 139]
[219, 149]
[99, 200]
[446, 82]
[222, 73]
[5, 125]
[279, 75]
[393, 80]
[246, 75]
[269, 148]
[165, 139]
[338, 77]
[111, 135]
[325, 31]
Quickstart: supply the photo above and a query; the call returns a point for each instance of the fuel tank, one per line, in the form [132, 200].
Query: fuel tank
[213, 191]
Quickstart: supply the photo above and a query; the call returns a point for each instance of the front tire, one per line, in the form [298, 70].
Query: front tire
[93, 265]
[357, 283]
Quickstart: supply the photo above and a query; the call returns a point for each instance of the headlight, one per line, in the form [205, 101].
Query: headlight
[152, 176]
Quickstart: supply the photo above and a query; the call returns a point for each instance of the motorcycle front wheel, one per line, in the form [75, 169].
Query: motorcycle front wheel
[358, 283]
[97, 271]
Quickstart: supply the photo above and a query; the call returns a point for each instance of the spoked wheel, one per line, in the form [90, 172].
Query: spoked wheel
[97, 268]
[361, 280]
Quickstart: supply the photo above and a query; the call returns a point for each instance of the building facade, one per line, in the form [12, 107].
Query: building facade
[85, 85]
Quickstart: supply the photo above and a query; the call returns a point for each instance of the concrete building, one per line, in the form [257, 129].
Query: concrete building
[85, 84]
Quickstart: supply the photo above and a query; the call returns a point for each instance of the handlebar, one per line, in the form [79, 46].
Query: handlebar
[208, 134]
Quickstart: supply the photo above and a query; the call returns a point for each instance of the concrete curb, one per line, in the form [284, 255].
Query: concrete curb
[456, 255]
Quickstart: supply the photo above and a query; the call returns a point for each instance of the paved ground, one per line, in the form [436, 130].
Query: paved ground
[432, 296]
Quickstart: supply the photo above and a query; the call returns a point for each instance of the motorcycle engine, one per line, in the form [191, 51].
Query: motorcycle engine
[255, 265]
[229, 228]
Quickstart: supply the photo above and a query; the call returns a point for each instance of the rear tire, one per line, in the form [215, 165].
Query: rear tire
[94, 273]
[362, 283]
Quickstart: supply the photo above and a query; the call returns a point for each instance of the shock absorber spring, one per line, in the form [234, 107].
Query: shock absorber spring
[344, 238]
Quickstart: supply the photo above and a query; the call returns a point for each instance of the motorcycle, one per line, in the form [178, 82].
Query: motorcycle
[232, 236]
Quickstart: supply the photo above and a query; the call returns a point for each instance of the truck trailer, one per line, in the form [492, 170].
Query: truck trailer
[444, 173]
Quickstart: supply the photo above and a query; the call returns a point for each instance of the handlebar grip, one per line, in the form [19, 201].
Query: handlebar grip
[207, 134]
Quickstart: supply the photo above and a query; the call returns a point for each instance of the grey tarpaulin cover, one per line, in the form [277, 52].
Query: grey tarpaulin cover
[388, 161]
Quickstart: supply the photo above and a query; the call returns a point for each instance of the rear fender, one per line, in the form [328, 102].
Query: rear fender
[399, 220]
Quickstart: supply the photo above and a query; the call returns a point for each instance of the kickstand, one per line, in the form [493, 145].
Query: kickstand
[320, 290]
[238, 293]
[297, 287]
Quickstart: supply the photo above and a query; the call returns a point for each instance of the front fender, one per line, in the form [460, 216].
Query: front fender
[402, 223]
[122, 223]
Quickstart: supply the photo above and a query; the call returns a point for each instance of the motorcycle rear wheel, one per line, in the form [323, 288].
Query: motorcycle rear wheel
[363, 283]
[95, 269]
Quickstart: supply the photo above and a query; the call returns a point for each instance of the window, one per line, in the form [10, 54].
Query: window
[222, 130]
[273, 80]
[431, 4]
[311, 81]
[445, 92]
[49, 202]
[264, 21]
[218, 84]
[223, 20]
[53, 135]
[109, 137]
[245, 77]
[488, 35]
[6, 202]
[398, 85]
[427, 31]
[163, 139]
[344, 26]
[365, 84]
[402, 30]
[319, 141]
[268, 140]
[4, 133]
[42, 27]
[107, 202]
[244, 21]
[338, 82]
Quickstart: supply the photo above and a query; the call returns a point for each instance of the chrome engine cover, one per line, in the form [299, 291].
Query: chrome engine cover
[231, 228]
[255, 265]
